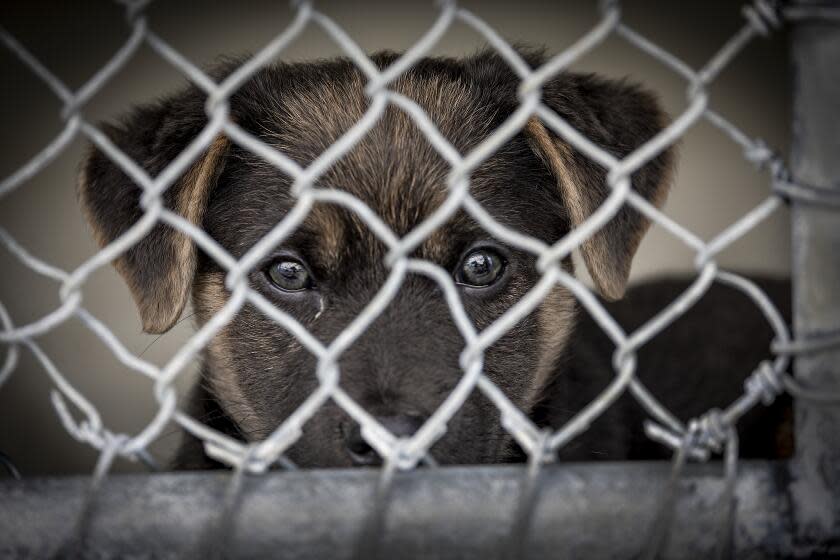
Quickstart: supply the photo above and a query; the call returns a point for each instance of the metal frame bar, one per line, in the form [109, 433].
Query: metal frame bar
[815, 484]
[598, 510]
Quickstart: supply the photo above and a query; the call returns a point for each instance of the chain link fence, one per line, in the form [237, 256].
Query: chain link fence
[706, 436]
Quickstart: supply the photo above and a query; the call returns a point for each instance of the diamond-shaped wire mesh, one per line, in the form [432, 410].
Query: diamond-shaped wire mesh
[711, 432]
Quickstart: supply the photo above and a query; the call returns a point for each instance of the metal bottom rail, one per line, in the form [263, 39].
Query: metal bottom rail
[603, 510]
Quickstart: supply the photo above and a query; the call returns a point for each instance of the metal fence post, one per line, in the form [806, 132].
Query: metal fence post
[815, 488]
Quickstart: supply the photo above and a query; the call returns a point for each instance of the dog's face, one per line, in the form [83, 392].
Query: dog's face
[328, 270]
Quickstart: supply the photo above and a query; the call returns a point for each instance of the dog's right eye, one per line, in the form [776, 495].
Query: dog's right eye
[480, 268]
[289, 275]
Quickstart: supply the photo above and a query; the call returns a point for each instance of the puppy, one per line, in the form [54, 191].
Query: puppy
[255, 373]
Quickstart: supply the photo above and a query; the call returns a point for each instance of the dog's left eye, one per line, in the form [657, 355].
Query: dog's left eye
[480, 268]
[289, 275]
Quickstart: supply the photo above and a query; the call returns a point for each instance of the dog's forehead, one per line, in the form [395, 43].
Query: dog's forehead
[394, 169]
[317, 113]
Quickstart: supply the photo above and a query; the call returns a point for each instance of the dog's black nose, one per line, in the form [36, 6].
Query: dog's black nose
[403, 425]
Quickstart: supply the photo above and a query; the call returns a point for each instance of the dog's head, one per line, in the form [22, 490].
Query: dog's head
[329, 269]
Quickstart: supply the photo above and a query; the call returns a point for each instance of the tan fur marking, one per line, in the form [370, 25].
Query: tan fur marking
[331, 235]
[608, 270]
[555, 317]
[557, 155]
[209, 296]
[437, 245]
[160, 313]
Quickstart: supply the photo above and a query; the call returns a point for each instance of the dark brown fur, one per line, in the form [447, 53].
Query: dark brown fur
[255, 374]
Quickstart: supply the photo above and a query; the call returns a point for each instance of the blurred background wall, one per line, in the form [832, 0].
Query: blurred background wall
[714, 185]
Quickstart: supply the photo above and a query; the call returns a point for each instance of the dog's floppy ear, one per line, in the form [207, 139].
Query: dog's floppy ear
[618, 117]
[159, 269]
